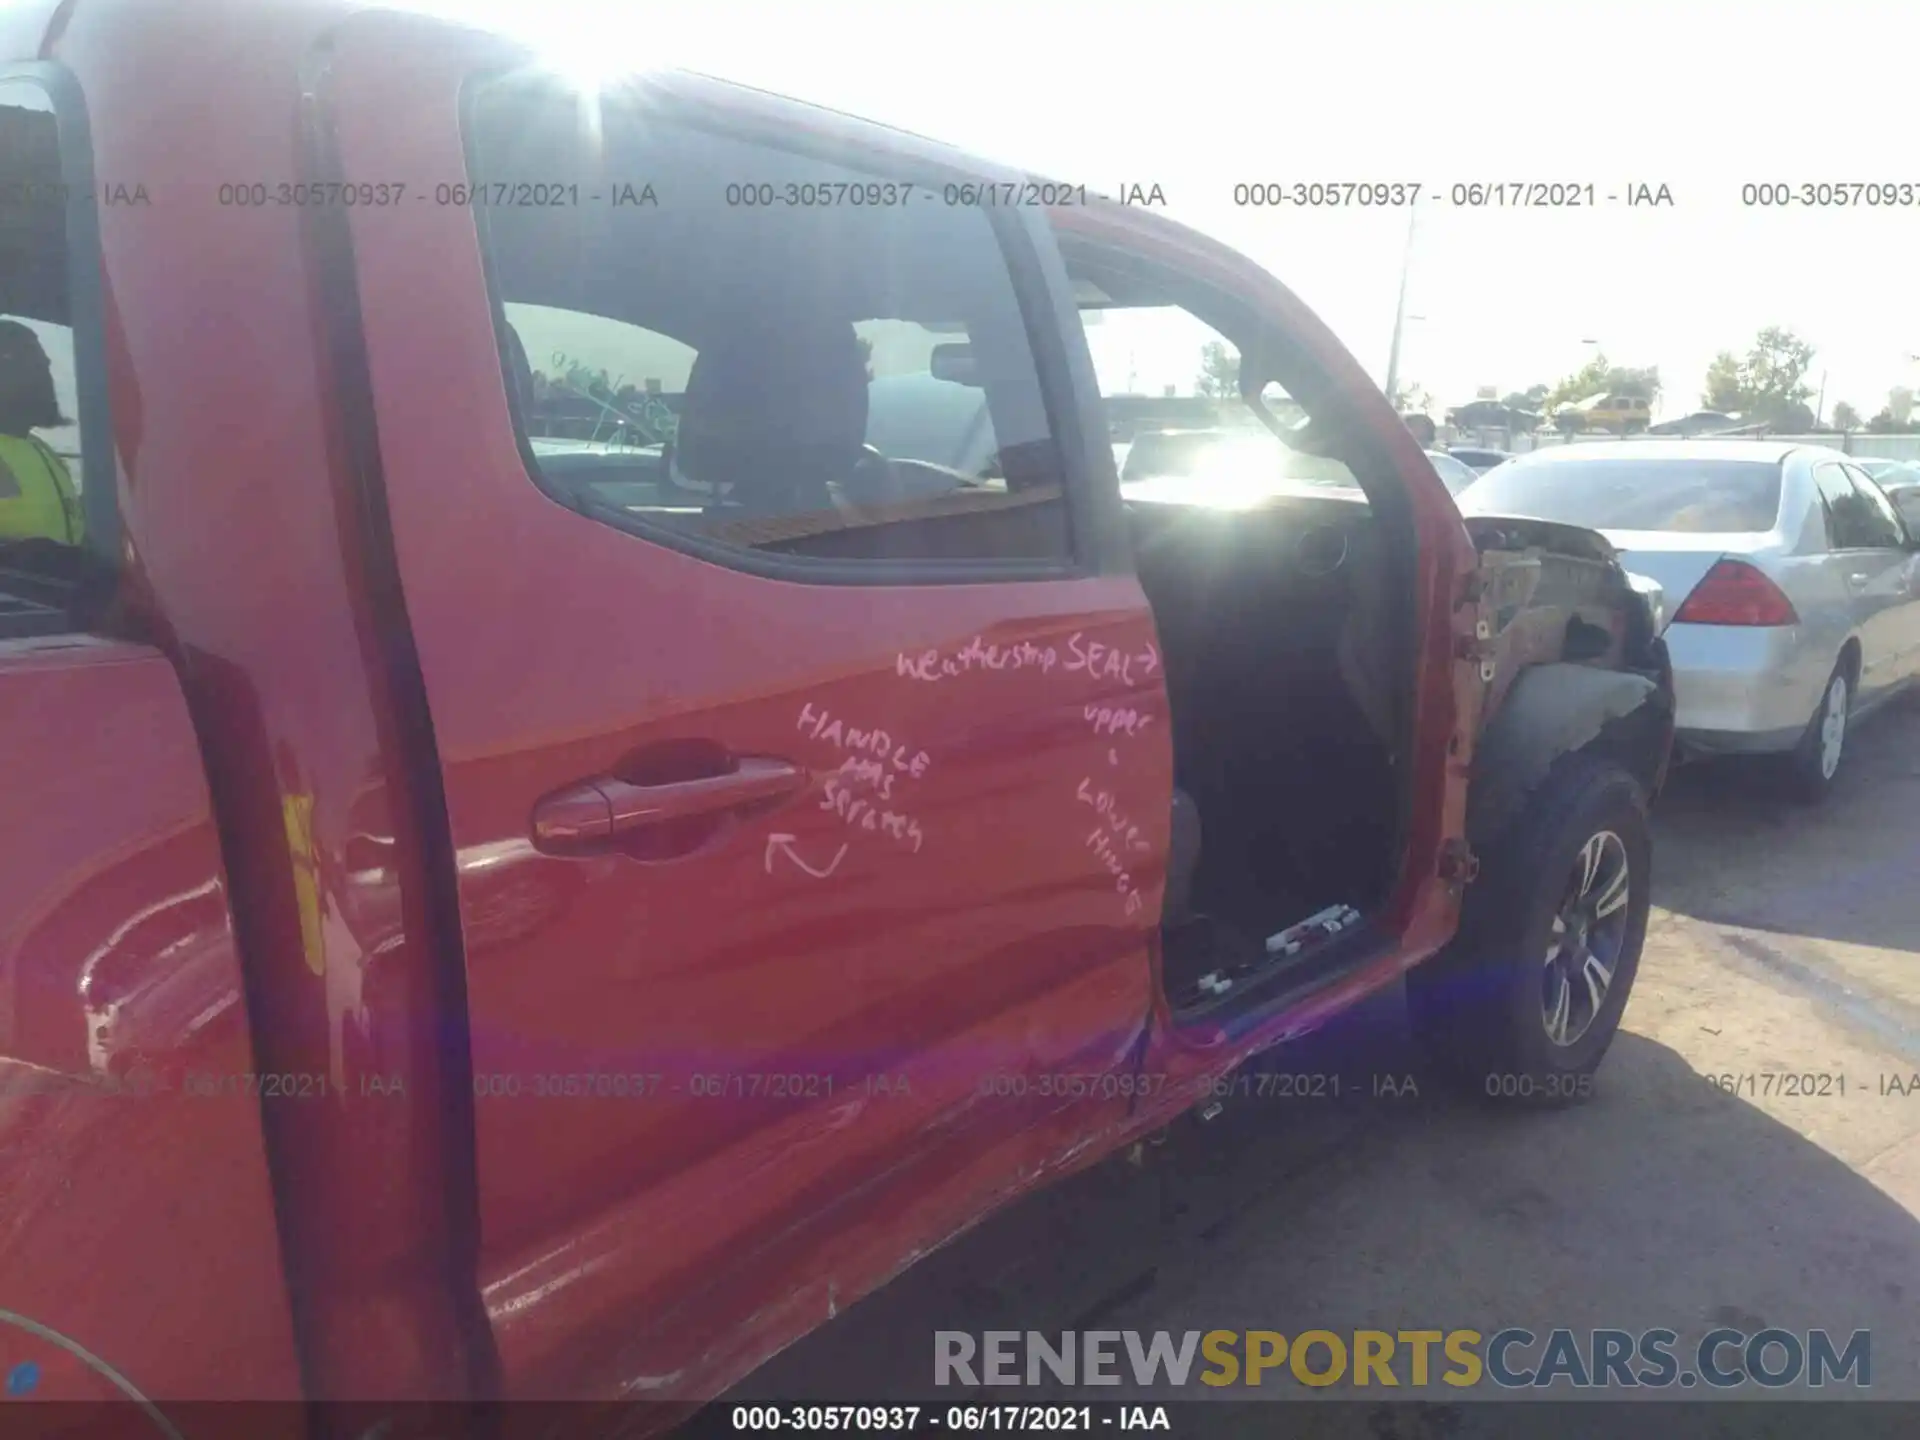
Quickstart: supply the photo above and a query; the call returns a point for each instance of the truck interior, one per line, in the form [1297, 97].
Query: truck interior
[1276, 550]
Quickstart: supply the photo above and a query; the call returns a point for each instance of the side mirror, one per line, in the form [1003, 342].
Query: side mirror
[954, 364]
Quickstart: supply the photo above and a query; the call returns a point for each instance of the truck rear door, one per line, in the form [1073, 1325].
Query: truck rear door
[138, 1254]
[805, 887]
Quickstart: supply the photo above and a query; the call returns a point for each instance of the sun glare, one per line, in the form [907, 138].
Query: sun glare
[582, 66]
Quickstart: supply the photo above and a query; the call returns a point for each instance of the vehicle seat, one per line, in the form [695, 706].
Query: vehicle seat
[775, 419]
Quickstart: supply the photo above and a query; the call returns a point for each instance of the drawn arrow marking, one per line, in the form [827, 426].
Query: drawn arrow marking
[777, 843]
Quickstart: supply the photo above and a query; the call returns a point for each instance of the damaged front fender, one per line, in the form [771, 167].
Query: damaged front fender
[1576, 664]
[1554, 710]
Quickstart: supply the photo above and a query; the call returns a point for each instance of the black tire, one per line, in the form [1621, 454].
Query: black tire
[1804, 769]
[1480, 1006]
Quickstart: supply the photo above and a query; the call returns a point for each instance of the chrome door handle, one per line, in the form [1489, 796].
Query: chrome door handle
[753, 779]
[601, 813]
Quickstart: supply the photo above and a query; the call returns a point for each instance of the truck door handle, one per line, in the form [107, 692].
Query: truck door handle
[607, 813]
[1857, 582]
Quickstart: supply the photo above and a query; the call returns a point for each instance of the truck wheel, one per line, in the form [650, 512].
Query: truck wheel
[1521, 1007]
[1810, 766]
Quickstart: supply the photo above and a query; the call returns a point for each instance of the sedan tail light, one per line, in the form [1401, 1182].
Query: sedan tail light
[1736, 593]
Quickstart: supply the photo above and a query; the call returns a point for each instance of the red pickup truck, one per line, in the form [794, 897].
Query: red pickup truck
[540, 858]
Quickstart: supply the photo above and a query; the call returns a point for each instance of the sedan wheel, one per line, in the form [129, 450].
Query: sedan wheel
[1812, 764]
[1833, 726]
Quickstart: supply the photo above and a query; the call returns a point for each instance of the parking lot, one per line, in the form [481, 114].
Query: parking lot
[1783, 942]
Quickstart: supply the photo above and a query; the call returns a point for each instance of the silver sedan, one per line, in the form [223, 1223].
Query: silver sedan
[1791, 584]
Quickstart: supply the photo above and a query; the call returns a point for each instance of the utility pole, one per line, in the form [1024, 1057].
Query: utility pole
[1820, 404]
[1400, 311]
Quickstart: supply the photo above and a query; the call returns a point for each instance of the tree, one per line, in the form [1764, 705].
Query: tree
[1795, 418]
[1590, 379]
[586, 380]
[1769, 385]
[1725, 388]
[1642, 382]
[1412, 398]
[1896, 416]
[1599, 376]
[1219, 371]
[1776, 370]
[1846, 419]
[1533, 398]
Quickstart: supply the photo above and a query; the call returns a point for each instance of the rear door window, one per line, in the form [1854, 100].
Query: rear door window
[1689, 496]
[725, 342]
[53, 535]
[1907, 502]
[920, 405]
[1853, 523]
[1877, 517]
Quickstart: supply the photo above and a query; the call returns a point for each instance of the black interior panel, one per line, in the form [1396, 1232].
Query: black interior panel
[1296, 795]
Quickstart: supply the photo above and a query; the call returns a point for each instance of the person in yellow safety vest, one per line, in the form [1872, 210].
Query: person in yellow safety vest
[37, 497]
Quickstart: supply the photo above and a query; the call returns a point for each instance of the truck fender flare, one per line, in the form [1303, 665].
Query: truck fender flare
[1556, 709]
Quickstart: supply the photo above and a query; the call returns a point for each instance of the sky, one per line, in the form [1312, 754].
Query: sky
[1196, 98]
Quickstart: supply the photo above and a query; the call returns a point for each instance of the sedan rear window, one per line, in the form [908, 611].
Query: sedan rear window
[1691, 496]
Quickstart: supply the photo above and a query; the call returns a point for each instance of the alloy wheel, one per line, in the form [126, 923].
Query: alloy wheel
[1589, 933]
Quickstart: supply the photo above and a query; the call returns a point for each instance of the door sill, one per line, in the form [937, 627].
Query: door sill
[1266, 996]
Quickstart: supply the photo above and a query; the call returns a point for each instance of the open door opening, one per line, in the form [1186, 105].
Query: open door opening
[1274, 541]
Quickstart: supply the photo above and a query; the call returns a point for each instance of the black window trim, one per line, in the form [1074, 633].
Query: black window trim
[1022, 252]
[86, 305]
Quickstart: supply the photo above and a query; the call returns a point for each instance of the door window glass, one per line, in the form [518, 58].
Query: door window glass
[1853, 523]
[43, 526]
[724, 340]
[1877, 512]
